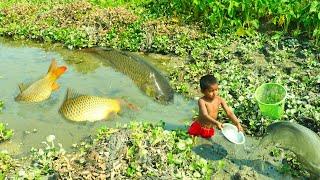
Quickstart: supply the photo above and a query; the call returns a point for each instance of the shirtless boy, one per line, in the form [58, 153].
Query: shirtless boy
[209, 106]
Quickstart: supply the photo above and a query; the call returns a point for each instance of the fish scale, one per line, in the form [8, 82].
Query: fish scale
[88, 108]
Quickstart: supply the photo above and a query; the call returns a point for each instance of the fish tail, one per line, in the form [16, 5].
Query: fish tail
[54, 71]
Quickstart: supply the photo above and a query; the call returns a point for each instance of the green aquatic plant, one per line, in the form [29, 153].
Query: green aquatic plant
[7, 164]
[175, 150]
[241, 67]
[104, 132]
[290, 165]
[37, 165]
[276, 152]
[44, 158]
[5, 132]
[1, 105]
[136, 150]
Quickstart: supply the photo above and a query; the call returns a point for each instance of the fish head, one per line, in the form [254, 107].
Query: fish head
[163, 99]
[269, 136]
[157, 95]
[273, 135]
[161, 94]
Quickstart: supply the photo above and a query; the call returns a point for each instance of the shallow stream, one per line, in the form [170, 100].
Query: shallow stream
[22, 61]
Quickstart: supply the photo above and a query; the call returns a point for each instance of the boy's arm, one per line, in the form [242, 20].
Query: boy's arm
[203, 112]
[230, 114]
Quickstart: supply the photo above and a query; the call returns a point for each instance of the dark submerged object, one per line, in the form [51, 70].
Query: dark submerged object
[144, 75]
[300, 140]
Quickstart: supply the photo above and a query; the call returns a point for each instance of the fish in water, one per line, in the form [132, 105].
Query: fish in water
[78, 107]
[300, 140]
[143, 74]
[41, 89]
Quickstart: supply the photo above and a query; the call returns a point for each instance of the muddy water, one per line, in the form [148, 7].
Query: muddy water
[32, 123]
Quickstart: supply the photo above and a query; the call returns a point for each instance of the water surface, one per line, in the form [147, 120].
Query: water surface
[22, 61]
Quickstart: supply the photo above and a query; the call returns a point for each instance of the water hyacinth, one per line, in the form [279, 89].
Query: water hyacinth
[181, 145]
[40, 152]
[125, 154]
[241, 67]
[22, 173]
[7, 164]
[121, 155]
[50, 138]
[5, 132]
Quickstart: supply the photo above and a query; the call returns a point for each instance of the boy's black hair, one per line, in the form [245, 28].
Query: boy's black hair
[206, 81]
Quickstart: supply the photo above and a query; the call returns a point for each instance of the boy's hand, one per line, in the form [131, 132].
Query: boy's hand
[239, 127]
[219, 125]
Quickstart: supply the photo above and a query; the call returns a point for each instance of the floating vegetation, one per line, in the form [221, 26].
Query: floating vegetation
[5, 133]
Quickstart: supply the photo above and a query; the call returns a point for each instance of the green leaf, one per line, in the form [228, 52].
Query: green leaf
[131, 151]
[230, 8]
[313, 7]
[240, 31]
[181, 145]
[170, 158]
[255, 23]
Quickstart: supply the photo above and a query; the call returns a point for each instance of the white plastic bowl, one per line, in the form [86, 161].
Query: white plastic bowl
[230, 131]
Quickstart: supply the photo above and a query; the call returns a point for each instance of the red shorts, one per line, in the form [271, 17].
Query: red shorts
[196, 130]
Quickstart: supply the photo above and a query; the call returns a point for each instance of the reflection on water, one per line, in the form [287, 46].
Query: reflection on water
[33, 122]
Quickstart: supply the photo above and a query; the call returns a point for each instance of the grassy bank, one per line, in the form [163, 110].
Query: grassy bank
[134, 151]
[142, 150]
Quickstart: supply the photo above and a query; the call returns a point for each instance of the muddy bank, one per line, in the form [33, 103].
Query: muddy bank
[142, 150]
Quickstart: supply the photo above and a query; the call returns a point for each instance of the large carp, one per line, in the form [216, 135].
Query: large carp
[300, 140]
[143, 74]
[41, 89]
[78, 107]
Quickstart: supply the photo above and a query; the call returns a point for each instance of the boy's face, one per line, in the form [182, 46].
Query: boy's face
[212, 91]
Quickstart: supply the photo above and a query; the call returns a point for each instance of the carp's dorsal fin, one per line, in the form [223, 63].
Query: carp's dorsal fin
[72, 94]
[23, 86]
